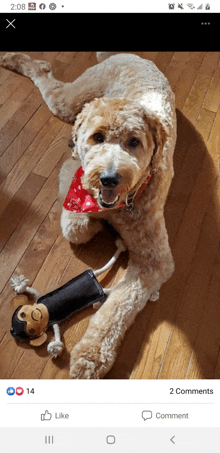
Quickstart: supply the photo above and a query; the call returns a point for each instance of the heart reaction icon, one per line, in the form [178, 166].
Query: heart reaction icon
[19, 391]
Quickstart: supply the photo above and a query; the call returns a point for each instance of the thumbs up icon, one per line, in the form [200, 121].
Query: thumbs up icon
[46, 416]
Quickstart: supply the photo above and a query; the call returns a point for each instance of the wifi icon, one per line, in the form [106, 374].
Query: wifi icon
[190, 6]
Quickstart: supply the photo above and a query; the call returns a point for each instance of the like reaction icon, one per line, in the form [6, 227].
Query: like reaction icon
[46, 416]
[10, 391]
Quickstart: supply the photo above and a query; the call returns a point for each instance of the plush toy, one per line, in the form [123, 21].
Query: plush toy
[31, 321]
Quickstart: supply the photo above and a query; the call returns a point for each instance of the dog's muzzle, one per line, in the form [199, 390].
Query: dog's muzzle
[109, 192]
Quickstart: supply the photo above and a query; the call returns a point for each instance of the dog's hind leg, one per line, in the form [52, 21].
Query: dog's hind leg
[65, 100]
[40, 73]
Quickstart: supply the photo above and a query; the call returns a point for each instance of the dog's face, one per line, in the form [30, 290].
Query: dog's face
[117, 144]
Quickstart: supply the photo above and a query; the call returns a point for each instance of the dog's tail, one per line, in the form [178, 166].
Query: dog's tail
[101, 56]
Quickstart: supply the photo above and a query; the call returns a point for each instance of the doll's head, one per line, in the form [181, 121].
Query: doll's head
[29, 321]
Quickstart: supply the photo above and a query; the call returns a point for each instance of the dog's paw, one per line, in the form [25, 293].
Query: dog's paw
[13, 60]
[85, 362]
[24, 64]
[83, 368]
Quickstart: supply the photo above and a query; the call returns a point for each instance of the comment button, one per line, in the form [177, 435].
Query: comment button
[146, 415]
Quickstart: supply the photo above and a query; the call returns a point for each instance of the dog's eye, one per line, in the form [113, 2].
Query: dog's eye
[23, 314]
[31, 331]
[133, 142]
[99, 138]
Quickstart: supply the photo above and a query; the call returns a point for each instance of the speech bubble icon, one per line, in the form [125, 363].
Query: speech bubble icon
[146, 415]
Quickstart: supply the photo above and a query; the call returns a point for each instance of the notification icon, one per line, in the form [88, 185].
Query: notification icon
[10, 391]
[19, 391]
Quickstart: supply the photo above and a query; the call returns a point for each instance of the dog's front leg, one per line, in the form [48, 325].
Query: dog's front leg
[95, 354]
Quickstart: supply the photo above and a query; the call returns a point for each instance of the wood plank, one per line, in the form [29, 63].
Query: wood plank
[65, 57]
[188, 160]
[205, 122]
[200, 86]
[176, 66]
[15, 101]
[28, 160]
[148, 55]
[206, 347]
[4, 74]
[10, 84]
[188, 75]
[80, 62]
[163, 60]
[19, 119]
[18, 206]
[27, 228]
[54, 152]
[217, 369]
[9, 349]
[23, 140]
[194, 300]
[50, 56]
[214, 141]
[212, 98]
[50, 275]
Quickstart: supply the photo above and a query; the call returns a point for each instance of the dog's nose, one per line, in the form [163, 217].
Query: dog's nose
[110, 179]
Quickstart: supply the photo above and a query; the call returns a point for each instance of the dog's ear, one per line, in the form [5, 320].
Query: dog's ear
[159, 135]
[76, 127]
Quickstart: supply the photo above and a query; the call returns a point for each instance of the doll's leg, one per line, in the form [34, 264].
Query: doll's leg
[79, 228]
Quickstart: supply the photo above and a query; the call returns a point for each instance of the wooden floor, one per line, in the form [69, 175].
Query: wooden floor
[177, 337]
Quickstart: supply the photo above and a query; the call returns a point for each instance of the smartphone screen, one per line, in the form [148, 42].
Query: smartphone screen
[109, 227]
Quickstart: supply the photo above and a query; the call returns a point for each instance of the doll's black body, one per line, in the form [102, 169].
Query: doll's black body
[78, 293]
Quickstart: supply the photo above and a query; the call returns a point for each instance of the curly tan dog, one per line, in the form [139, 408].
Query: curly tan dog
[124, 135]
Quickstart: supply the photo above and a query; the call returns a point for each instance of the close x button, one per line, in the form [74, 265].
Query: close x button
[10, 23]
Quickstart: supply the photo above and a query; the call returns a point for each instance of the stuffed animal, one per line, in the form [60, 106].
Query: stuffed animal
[30, 322]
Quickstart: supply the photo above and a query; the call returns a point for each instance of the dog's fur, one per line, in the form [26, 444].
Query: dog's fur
[123, 98]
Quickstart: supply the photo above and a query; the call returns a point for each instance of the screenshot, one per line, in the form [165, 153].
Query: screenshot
[109, 226]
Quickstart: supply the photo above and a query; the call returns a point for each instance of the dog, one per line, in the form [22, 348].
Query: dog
[123, 136]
